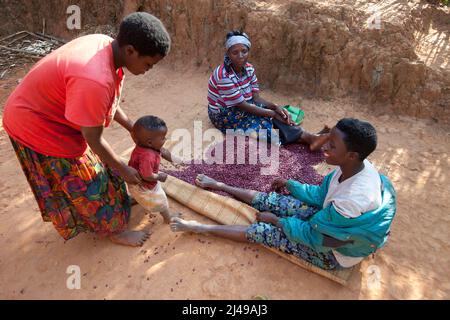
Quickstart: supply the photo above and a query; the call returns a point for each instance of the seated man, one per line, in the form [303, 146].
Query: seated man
[333, 225]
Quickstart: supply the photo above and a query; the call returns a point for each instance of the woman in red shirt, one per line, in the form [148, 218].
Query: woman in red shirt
[55, 119]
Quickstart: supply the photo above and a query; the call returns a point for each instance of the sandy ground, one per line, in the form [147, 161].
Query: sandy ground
[413, 265]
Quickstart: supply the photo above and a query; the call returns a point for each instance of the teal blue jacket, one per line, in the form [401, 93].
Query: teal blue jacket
[369, 231]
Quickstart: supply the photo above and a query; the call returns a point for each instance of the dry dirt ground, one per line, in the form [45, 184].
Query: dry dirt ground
[413, 265]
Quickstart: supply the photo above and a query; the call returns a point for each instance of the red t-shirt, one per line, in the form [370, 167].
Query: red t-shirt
[146, 161]
[76, 85]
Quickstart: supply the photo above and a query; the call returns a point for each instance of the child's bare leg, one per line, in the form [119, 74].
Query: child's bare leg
[244, 195]
[167, 215]
[235, 233]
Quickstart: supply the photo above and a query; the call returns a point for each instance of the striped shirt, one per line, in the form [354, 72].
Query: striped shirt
[226, 89]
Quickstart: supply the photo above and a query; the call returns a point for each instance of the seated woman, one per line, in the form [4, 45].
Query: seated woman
[234, 101]
[333, 225]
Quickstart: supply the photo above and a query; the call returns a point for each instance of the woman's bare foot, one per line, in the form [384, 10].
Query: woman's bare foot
[131, 238]
[206, 182]
[180, 225]
[319, 141]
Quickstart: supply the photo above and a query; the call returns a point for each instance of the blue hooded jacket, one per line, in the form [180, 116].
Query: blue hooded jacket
[368, 232]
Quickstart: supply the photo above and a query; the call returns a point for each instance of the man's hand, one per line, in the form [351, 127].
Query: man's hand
[278, 184]
[267, 217]
[130, 175]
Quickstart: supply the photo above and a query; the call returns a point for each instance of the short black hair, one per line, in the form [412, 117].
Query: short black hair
[360, 136]
[145, 33]
[150, 123]
[236, 33]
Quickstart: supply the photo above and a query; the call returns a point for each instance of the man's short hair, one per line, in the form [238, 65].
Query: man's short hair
[359, 136]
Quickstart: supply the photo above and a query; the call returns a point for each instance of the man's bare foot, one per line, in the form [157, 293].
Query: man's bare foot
[319, 141]
[180, 225]
[131, 238]
[206, 182]
[326, 129]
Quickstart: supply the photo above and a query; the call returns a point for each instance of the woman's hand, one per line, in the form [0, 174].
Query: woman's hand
[281, 118]
[278, 113]
[278, 184]
[93, 136]
[267, 217]
[284, 114]
[130, 175]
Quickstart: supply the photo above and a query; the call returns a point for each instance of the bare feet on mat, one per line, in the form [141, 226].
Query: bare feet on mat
[131, 238]
[180, 225]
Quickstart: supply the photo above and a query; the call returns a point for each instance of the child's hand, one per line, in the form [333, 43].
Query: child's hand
[278, 184]
[162, 176]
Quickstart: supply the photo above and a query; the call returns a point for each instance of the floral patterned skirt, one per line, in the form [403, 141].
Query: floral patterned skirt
[274, 237]
[233, 118]
[76, 195]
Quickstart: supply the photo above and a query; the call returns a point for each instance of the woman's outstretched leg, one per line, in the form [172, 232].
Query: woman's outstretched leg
[235, 233]
[244, 195]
